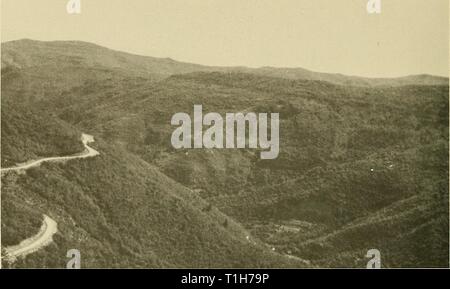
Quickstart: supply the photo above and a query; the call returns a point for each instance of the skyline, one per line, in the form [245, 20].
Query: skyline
[321, 36]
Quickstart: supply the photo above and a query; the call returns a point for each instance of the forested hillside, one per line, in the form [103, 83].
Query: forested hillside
[363, 164]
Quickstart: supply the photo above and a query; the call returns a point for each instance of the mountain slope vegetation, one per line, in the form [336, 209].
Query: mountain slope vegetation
[363, 163]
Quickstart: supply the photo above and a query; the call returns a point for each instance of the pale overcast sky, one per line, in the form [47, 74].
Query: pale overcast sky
[408, 37]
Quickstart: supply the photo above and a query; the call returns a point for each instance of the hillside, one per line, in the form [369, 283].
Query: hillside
[363, 163]
[121, 212]
[28, 135]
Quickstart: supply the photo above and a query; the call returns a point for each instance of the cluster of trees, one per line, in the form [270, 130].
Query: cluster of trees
[28, 134]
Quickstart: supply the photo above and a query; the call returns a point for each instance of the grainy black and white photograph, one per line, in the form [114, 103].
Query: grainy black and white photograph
[224, 134]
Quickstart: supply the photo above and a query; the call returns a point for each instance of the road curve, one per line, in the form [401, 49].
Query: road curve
[88, 152]
[41, 239]
[49, 227]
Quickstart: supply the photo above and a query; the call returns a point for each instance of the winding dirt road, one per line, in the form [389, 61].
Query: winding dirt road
[89, 152]
[41, 239]
[49, 227]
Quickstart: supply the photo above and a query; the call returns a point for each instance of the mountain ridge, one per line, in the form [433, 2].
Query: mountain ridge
[147, 65]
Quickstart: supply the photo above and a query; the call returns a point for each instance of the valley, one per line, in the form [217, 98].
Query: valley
[362, 164]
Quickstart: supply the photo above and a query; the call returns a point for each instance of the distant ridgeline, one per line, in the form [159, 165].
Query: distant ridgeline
[213, 137]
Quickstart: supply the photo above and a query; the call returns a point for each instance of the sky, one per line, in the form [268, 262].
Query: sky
[337, 36]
